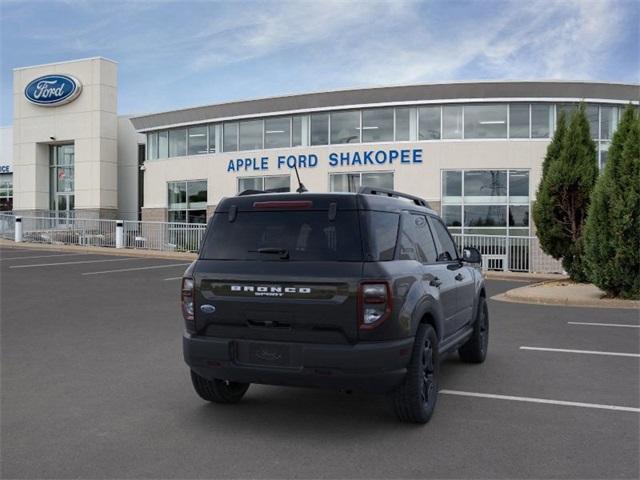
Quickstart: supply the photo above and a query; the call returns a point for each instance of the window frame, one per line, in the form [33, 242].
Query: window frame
[186, 209]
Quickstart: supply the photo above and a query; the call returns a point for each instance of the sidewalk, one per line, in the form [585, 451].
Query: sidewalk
[564, 292]
[127, 252]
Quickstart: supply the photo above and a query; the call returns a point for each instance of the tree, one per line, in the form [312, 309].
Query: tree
[563, 198]
[612, 242]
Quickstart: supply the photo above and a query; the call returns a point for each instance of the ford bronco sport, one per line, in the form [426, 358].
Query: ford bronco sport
[353, 291]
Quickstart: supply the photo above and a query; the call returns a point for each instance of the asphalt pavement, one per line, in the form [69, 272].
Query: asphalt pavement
[93, 386]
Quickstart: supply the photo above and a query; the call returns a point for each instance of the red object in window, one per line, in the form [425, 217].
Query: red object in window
[60, 174]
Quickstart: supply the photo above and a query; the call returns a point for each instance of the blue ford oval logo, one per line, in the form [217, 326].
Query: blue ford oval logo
[206, 308]
[52, 90]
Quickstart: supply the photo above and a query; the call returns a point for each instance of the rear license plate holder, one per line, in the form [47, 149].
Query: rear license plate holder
[265, 354]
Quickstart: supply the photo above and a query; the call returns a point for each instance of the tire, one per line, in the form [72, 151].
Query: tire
[218, 391]
[475, 350]
[414, 401]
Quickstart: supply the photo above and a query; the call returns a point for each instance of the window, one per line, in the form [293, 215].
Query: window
[382, 230]
[608, 122]
[519, 120]
[187, 201]
[152, 146]
[452, 121]
[485, 216]
[452, 186]
[61, 179]
[482, 186]
[345, 127]
[519, 186]
[265, 183]
[277, 132]
[163, 144]
[320, 129]
[251, 135]
[447, 250]
[6, 192]
[351, 182]
[541, 120]
[230, 137]
[429, 123]
[416, 232]
[403, 124]
[306, 236]
[178, 142]
[197, 140]
[485, 121]
[377, 125]
[592, 116]
[296, 131]
[212, 138]
[487, 202]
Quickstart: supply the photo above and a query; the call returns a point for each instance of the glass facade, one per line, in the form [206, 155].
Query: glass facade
[488, 202]
[187, 201]
[351, 182]
[6, 192]
[280, 182]
[384, 124]
[61, 179]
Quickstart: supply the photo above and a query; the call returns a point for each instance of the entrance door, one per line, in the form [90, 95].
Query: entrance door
[62, 181]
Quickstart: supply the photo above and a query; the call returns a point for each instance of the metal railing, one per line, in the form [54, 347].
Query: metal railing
[515, 254]
[7, 226]
[164, 236]
[69, 231]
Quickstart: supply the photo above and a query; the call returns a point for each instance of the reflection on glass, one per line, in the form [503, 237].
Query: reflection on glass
[403, 124]
[452, 215]
[519, 185]
[212, 138]
[608, 122]
[277, 132]
[485, 216]
[519, 120]
[485, 185]
[429, 123]
[519, 216]
[541, 120]
[177, 195]
[251, 135]
[345, 127]
[163, 144]
[250, 183]
[197, 139]
[452, 121]
[296, 131]
[344, 182]
[319, 129]
[377, 125]
[152, 146]
[277, 182]
[197, 194]
[178, 142]
[485, 121]
[451, 184]
[230, 137]
[378, 179]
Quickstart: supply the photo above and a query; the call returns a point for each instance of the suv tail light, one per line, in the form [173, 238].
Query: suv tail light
[186, 300]
[374, 304]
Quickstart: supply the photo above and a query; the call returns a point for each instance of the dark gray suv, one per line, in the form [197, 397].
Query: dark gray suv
[353, 291]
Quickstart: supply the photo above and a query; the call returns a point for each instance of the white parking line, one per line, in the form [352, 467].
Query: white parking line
[622, 325]
[541, 400]
[42, 256]
[74, 263]
[172, 278]
[138, 268]
[588, 352]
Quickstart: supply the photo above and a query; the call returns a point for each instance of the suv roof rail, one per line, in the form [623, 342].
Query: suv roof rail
[258, 192]
[392, 193]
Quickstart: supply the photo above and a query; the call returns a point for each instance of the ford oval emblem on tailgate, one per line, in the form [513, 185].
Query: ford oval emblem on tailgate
[206, 308]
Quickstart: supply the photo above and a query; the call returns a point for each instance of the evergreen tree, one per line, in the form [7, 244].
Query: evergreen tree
[612, 233]
[564, 194]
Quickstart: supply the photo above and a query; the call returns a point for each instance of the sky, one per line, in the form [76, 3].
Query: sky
[176, 54]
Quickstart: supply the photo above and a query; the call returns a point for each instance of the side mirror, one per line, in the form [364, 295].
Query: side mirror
[471, 255]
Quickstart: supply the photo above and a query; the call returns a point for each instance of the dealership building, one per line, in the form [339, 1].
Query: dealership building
[473, 150]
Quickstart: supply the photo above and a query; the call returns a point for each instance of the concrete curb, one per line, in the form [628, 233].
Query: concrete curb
[557, 296]
[524, 276]
[125, 252]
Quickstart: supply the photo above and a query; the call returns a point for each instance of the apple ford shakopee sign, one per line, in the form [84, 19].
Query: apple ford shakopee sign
[53, 90]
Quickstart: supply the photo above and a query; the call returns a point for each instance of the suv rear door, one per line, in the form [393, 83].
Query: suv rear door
[282, 273]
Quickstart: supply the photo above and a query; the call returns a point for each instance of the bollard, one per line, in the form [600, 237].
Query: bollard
[119, 234]
[18, 230]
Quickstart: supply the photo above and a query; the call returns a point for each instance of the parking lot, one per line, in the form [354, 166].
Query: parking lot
[94, 386]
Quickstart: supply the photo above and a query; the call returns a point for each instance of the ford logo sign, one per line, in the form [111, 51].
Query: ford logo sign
[53, 90]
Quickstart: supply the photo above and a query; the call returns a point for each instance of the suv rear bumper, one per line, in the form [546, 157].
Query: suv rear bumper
[366, 366]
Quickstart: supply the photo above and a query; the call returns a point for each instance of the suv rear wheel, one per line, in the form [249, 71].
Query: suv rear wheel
[415, 400]
[218, 391]
[475, 350]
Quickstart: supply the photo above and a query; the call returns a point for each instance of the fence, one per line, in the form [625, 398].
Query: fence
[517, 254]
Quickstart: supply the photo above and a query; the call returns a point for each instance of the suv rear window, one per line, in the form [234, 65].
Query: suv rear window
[304, 235]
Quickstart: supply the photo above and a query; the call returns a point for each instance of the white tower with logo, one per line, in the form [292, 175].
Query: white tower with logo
[65, 157]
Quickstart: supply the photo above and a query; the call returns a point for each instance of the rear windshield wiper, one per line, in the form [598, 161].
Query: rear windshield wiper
[283, 252]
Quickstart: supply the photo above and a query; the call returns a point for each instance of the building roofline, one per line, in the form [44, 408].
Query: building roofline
[391, 94]
[66, 61]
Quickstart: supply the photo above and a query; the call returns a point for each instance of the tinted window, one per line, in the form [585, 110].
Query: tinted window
[403, 122]
[429, 123]
[308, 236]
[178, 142]
[485, 121]
[382, 228]
[519, 120]
[377, 125]
[416, 242]
[447, 250]
[345, 127]
[320, 129]
[426, 245]
[251, 135]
